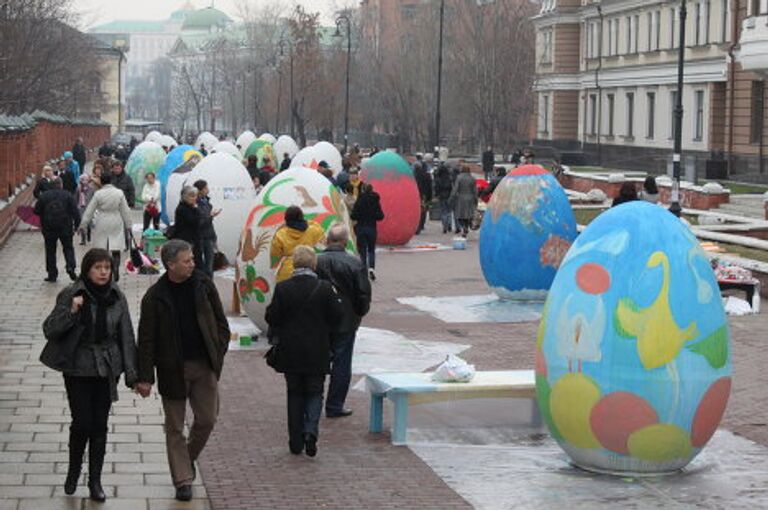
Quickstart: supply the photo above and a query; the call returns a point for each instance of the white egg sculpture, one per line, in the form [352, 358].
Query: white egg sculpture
[206, 139]
[231, 190]
[306, 158]
[245, 139]
[153, 136]
[325, 151]
[285, 145]
[268, 137]
[168, 142]
[256, 271]
[227, 148]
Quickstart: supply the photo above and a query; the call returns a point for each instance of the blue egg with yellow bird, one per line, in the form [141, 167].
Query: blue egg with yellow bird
[633, 356]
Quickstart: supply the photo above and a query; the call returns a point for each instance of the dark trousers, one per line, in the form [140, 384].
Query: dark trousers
[423, 217]
[305, 404]
[89, 403]
[341, 371]
[205, 253]
[366, 245]
[463, 224]
[154, 219]
[51, 241]
[446, 215]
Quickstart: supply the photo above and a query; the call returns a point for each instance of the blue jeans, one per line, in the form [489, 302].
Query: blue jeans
[305, 404]
[341, 371]
[446, 215]
[366, 245]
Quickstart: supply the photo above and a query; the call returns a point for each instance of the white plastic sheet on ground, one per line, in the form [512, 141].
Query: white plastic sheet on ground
[478, 308]
[413, 247]
[380, 350]
[534, 473]
[242, 326]
[736, 306]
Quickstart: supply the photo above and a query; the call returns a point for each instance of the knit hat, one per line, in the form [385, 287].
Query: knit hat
[67, 155]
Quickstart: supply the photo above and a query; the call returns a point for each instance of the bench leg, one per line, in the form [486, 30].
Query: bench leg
[376, 416]
[400, 421]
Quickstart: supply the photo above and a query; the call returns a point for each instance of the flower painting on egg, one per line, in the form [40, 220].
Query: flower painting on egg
[633, 362]
[320, 201]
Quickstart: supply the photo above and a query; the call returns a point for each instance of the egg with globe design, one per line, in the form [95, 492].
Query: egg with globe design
[633, 357]
[392, 178]
[320, 202]
[527, 229]
[145, 158]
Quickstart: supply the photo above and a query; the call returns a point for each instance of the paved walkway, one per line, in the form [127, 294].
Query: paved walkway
[34, 416]
[246, 464]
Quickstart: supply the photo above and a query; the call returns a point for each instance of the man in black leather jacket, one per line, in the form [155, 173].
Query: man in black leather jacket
[348, 275]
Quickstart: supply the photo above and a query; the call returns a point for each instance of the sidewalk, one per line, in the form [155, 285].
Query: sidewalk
[35, 414]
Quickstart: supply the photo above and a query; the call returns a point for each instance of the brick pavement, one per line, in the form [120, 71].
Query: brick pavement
[34, 416]
[247, 464]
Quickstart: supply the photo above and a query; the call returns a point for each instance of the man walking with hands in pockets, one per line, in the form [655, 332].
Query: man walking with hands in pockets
[183, 335]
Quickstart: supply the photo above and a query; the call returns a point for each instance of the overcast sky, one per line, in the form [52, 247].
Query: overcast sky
[102, 11]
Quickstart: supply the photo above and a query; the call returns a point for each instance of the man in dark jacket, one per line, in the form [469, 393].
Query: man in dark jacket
[206, 233]
[285, 164]
[489, 159]
[348, 275]
[424, 182]
[59, 219]
[78, 153]
[183, 334]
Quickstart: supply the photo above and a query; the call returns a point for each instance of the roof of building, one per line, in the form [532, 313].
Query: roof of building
[205, 18]
[131, 26]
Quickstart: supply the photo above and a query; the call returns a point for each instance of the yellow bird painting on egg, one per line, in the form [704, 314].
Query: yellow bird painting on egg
[659, 337]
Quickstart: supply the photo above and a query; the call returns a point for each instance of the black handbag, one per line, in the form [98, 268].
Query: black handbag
[59, 353]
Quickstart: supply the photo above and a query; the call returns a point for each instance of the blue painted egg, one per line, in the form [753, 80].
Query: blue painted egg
[633, 357]
[526, 231]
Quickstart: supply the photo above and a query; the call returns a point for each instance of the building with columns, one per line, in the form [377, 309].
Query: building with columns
[606, 82]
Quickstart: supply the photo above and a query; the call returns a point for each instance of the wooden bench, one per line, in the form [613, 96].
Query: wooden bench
[405, 389]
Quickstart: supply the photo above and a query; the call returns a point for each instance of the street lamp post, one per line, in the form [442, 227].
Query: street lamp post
[439, 77]
[674, 206]
[282, 44]
[343, 18]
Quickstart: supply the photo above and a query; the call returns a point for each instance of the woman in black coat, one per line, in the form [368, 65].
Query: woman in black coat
[186, 221]
[90, 339]
[301, 316]
[366, 213]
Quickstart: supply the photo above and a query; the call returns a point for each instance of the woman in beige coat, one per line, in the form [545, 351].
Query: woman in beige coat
[109, 210]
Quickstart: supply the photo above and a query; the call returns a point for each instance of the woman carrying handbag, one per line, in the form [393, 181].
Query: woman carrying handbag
[91, 341]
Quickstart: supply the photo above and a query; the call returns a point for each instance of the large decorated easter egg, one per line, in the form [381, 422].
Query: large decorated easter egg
[146, 157]
[230, 189]
[244, 140]
[325, 151]
[526, 230]
[633, 357]
[306, 158]
[392, 178]
[206, 140]
[320, 201]
[179, 162]
[227, 148]
[263, 150]
[285, 145]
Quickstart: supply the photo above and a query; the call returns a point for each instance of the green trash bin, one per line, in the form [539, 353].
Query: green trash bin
[152, 245]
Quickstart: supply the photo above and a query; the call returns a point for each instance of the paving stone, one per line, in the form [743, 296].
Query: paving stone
[172, 504]
[26, 491]
[55, 503]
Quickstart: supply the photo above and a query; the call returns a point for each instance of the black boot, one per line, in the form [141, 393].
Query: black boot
[76, 449]
[116, 265]
[97, 447]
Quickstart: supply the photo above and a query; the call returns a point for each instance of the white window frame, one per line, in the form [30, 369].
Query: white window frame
[545, 111]
[698, 115]
[630, 106]
[593, 114]
[611, 99]
[673, 103]
[724, 6]
[636, 38]
[650, 131]
[672, 24]
[629, 37]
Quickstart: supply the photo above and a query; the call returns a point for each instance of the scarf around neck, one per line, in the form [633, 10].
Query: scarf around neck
[101, 297]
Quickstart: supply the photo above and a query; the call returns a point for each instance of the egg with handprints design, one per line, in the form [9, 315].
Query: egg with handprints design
[633, 352]
[319, 200]
[526, 231]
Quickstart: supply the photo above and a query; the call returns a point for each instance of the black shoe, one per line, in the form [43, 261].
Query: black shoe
[97, 492]
[50, 279]
[310, 445]
[296, 450]
[70, 484]
[72, 275]
[184, 493]
[339, 414]
[372, 274]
